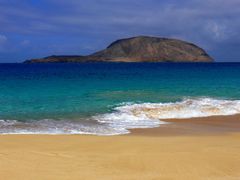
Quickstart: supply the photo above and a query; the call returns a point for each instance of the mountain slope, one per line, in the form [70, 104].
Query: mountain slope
[139, 49]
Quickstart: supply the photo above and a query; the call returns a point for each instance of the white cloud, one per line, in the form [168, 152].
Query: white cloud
[25, 42]
[3, 39]
[217, 31]
[3, 42]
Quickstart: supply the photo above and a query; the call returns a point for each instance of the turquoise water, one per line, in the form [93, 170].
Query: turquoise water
[75, 98]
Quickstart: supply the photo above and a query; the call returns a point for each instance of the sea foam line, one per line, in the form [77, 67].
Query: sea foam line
[127, 116]
[147, 115]
[188, 108]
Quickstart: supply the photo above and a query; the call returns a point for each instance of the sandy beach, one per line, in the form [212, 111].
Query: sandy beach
[200, 148]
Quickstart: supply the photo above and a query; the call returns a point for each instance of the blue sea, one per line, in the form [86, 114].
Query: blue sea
[112, 98]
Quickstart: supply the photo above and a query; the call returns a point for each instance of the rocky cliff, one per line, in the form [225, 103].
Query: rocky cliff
[139, 49]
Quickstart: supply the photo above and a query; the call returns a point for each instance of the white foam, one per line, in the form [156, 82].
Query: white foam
[53, 127]
[188, 108]
[147, 115]
[125, 117]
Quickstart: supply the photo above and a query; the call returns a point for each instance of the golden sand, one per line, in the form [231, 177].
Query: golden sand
[161, 153]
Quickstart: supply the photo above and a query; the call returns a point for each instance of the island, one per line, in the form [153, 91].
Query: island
[138, 49]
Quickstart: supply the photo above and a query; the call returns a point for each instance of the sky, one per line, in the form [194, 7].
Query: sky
[39, 28]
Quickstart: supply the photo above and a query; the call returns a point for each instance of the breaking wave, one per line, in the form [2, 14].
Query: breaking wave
[126, 116]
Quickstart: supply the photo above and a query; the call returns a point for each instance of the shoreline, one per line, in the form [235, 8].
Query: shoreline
[199, 148]
[173, 127]
[212, 125]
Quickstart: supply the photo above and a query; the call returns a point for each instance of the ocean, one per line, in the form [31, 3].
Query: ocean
[112, 98]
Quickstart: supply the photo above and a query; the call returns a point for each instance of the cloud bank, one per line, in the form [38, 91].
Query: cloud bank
[79, 27]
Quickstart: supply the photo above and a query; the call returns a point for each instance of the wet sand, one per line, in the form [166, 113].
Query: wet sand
[200, 148]
[194, 126]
